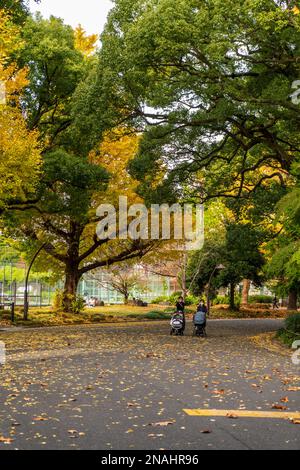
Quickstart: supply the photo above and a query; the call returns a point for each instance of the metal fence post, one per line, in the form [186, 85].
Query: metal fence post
[13, 312]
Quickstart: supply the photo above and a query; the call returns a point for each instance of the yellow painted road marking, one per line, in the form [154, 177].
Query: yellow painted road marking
[245, 413]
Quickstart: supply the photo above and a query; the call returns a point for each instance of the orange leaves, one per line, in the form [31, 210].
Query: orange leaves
[275, 406]
[284, 400]
[295, 421]
[232, 416]
[6, 440]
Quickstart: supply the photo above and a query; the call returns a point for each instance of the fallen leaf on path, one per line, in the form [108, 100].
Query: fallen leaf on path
[232, 416]
[6, 440]
[284, 400]
[162, 423]
[219, 392]
[279, 407]
[40, 418]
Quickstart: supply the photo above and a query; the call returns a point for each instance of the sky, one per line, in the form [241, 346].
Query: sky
[91, 14]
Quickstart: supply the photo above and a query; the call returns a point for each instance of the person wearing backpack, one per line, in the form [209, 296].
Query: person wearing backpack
[199, 319]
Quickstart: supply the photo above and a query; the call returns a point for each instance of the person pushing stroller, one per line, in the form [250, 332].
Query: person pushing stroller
[199, 320]
[180, 308]
[178, 319]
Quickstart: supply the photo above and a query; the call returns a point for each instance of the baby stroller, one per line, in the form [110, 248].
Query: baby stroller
[200, 324]
[177, 324]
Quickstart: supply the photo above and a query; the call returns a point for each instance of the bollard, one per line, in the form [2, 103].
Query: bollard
[13, 312]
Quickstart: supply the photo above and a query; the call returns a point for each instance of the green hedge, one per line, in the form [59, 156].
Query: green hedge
[260, 299]
[291, 330]
[173, 299]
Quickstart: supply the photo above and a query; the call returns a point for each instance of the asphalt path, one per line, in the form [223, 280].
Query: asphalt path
[126, 387]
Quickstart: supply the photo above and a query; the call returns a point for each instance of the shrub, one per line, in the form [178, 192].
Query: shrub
[221, 300]
[291, 330]
[292, 323]
[191, 300]
[78, 304]
[174, 297]
[58, 299]
[160, 299]
[260, 299]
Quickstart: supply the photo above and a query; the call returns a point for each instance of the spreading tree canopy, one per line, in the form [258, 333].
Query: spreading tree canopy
[209, 83]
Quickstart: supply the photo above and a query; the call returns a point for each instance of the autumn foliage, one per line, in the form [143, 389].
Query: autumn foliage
[19, 148]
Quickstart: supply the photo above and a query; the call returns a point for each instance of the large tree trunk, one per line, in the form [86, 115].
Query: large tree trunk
[126, 297]
[72, 278]
[232, 296]
[293, 297]
[245, 293]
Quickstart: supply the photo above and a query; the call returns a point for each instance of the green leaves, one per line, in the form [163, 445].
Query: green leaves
[55, 69]
[214, 81]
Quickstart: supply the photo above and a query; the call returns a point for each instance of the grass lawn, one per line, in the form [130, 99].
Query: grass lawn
[48, 316]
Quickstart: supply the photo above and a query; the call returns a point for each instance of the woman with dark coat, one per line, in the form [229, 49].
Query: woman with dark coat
[180, 307]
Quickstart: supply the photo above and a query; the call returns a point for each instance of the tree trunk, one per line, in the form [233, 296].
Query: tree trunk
[72, 278]
[126, 297]
[183, 280]
[245, 293]
[232, 296]
[293, 297]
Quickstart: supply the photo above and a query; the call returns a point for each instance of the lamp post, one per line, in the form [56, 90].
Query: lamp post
[26, 304]
[218, 267]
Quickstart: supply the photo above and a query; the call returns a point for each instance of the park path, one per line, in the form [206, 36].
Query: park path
[127, 386]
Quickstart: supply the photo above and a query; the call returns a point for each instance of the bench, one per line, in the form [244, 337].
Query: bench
[11, 306]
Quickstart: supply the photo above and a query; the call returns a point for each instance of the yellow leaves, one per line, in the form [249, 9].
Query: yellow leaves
[20, 154]
[14, 81]
[114, 154]
[10, 39]
[11, 78]
[84, 43]
[19, 149]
